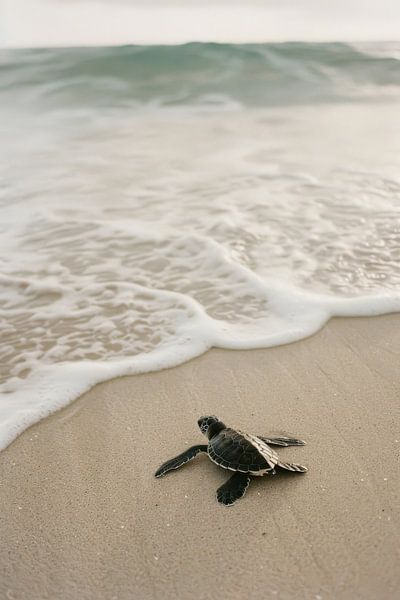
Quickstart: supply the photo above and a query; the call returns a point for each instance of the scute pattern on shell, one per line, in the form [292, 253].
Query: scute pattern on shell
[238, 451]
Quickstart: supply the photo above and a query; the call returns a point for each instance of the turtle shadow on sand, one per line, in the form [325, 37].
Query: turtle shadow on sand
[245, 454]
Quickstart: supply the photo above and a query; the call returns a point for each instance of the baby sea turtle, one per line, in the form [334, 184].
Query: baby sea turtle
[247, 455]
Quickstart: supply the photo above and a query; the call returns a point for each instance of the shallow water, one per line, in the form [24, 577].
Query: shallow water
[156, 202]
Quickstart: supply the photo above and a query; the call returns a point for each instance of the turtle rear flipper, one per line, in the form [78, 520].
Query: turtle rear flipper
[181, 459]
[233, 489]
[282, 441]
[292, 467]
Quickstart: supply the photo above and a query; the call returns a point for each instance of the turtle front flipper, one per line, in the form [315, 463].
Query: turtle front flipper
[292, 467]
[233, 489]
[181, 459]
[282, 441]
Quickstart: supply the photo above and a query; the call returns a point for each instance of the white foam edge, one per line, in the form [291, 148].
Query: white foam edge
[297, 314]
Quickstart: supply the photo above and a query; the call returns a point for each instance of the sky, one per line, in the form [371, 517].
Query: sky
[40, 23]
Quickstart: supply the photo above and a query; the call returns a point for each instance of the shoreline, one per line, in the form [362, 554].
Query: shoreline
[84, 517]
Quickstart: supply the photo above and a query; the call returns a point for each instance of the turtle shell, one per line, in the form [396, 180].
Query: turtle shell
[238, 451]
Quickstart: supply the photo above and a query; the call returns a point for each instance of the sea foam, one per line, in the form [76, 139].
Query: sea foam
[177, 213]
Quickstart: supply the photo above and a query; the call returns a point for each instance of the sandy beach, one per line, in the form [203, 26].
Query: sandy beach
[82, 516]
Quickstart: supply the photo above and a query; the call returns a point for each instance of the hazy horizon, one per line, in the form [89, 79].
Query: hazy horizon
[35, 23]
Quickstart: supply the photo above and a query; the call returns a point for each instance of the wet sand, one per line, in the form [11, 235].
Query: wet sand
[82, 516]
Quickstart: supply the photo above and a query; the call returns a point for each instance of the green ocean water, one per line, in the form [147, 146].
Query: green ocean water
[201, 73]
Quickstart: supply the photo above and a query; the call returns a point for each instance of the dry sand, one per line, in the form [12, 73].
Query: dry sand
[83, 518]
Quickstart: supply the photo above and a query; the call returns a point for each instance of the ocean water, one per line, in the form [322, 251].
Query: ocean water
[158, 201]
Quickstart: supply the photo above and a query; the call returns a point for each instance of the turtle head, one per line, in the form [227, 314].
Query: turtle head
[210, 425]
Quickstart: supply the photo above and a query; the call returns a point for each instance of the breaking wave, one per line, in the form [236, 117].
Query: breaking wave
[202, 74]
